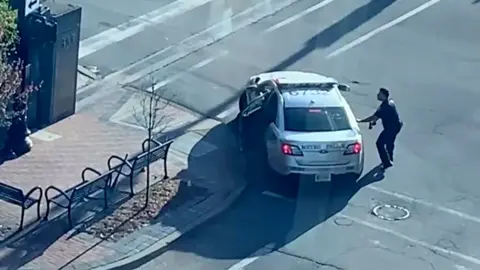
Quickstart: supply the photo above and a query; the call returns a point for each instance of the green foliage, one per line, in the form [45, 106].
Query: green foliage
[10, 70]
[10, 87]
[8, 25]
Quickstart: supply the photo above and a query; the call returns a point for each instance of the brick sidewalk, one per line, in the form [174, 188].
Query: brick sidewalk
[53, 245]
[88, 139]
[213, 164]
[196, 156]
[77, 142]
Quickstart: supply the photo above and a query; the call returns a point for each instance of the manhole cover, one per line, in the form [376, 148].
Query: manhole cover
[391, 212]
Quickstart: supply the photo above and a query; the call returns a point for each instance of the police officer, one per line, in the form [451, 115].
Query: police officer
[392, 125]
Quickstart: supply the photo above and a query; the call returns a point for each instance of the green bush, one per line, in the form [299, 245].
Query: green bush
[10, 70]
[8, 25]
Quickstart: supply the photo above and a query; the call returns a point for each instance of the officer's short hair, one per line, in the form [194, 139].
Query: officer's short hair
[385, 92]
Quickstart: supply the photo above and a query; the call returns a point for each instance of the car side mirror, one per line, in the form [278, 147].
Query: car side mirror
[344, 88]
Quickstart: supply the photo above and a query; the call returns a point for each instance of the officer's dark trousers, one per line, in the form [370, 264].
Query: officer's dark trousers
[386, 144]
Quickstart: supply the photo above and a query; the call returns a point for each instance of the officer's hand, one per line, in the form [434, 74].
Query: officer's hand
[359, 120]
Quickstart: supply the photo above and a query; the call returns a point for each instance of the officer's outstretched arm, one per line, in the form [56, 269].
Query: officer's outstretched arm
[372, 119]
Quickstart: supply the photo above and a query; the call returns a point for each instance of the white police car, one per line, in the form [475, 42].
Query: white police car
[309, 127]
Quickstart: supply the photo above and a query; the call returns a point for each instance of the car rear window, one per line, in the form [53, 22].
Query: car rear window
[316, 119]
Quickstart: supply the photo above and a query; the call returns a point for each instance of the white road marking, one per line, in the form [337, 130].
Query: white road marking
[409, 199]
[126, 110]
[172, 116]
[298, 15]
[268, 6]
[252, 258]
[154, 67]
[198, 65]
[197, 41]
[427, 204]
[182, 49]
[382, 28]
[220, 10]
[114, 76]
[434, 248]
[400, 235]
[244, 263]
[135, 26]
[233, 109]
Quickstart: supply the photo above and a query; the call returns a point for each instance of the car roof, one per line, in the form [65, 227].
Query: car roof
[294, 77]
[303, 89]
[311, 98]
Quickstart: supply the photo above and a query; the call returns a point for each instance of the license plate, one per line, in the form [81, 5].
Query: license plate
[323, 177]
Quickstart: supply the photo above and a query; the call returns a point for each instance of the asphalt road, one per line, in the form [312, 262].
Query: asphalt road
[430, 61]
[426, 52]
[118, 33]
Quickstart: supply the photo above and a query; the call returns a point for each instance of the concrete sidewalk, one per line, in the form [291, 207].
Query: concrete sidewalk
[211, 165]
[204, 159]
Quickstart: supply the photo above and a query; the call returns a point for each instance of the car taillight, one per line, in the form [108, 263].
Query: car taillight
[291, 150]
[353, 149]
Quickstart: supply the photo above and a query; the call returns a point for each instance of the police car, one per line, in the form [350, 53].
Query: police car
[309, 128]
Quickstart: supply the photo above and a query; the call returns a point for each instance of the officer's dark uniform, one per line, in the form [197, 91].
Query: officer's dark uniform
[391, 127]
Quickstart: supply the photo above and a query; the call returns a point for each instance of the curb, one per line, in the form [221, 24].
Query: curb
[136, 259]
[87, 73]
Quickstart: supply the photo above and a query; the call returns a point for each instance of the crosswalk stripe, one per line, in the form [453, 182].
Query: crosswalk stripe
[298, 15]
[137, 25]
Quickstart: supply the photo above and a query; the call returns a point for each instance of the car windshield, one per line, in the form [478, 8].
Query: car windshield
[316, 119]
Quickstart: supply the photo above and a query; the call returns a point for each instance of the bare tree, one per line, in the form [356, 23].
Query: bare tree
[151, 114]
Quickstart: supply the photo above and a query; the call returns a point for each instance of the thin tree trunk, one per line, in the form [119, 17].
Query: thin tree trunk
[150, 127]
[147, 191]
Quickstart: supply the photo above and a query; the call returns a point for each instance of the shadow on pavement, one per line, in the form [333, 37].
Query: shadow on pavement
[476, 1]
[32, 245]
[256, 221]
[33, 242]
[214, 164]
[315, 203]
[336, 31]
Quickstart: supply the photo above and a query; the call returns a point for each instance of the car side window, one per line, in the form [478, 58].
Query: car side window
[251, 95]
[270, 107]
[255, 93]
[254, 104]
